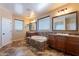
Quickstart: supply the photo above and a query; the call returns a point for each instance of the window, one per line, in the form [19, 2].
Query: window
[18, 25]
[44, 24]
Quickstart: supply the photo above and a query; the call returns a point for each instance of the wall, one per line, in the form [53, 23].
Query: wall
[70, 8]
[18, 35]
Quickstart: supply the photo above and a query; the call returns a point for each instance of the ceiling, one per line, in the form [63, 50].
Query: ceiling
[25, 9]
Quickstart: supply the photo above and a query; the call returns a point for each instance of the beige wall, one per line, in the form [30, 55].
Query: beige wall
[18, 35]
[5, 13]
[70, 8]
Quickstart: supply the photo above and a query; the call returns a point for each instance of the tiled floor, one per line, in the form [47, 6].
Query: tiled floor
[20, 48]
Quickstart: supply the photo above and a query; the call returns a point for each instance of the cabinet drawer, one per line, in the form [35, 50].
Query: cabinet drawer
[73, 39]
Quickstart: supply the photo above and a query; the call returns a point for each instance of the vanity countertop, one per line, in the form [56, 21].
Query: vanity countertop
[67, 35]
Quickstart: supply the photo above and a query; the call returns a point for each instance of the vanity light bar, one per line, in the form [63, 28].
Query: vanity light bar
[62, 10]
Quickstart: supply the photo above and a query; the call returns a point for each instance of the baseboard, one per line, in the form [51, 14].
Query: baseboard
[19, 39]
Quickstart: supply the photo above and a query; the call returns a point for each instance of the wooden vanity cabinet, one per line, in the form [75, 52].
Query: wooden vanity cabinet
[60, 43]
[57, 42]
[51, 41]
[67, 44]
[72, 45]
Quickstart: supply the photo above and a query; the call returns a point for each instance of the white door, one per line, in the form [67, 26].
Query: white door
[6, 31]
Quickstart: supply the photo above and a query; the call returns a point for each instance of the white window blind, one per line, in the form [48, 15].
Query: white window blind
[18, 25]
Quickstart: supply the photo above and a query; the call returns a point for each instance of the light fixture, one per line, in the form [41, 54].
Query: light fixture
[62, 10]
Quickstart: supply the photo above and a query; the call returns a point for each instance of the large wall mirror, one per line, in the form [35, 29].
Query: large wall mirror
[59, 23]
[71, 21]
[65, 22]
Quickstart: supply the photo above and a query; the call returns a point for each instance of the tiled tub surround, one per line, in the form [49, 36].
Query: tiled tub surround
[39, 38]
[38, 42]
[21, 48]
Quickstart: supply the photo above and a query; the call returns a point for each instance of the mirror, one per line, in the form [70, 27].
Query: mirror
[66, 22]
[71, 21]
[59, 23]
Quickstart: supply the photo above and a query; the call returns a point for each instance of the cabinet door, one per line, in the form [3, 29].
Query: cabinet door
[72, 45]
[60, 43]
[51, 41]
